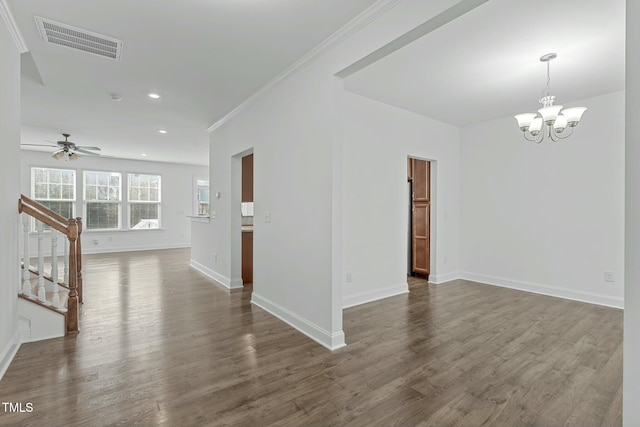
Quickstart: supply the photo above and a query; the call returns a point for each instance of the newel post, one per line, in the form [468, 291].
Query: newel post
[79, 260]
[72, 304]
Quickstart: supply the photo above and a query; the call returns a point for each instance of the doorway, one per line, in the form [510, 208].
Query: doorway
[419, 234]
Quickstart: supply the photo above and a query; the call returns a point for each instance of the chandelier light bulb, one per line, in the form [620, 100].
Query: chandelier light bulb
[550, 113]
[560, 123]
[535, 127]
[573, 115]
[551, 121]
[524, 120]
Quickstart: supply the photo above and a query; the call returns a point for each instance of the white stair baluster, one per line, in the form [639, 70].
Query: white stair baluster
[26, 275]
[42, 293]
[65, 280]
[54, 268]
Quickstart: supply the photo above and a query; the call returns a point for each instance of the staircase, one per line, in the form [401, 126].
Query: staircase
[48, 304]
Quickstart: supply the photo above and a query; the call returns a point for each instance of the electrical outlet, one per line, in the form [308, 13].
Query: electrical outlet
[609, 277]
[96, 241]
[349, 277]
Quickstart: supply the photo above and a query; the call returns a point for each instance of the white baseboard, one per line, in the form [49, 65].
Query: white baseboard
[332, 341]
[374, 295]
[223, 280]
[442, 278]
[572, 294]
[9, 352]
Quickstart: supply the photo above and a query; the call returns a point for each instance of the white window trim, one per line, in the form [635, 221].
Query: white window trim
[32, 190]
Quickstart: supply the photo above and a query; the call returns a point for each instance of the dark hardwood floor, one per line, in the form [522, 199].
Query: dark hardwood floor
[162, 344]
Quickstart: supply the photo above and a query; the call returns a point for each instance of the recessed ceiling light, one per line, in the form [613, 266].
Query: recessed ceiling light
[144, 154]
[162, 131]
[154, 95]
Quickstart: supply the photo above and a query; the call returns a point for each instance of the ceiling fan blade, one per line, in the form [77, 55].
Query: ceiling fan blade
[81, 151]
[84, 147]
[39, 145]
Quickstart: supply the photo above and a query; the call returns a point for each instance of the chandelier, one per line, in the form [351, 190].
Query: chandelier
[551, 121]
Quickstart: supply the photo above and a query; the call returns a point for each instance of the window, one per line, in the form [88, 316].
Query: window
[202, 197]
[144, 201]
[102, 200]
[55, 189]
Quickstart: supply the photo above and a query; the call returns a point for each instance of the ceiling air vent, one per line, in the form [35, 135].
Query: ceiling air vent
[79, 39]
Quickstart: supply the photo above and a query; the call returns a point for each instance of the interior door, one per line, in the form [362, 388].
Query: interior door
[421, 209]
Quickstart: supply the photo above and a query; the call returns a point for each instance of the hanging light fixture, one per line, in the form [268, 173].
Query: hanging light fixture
[551, 121]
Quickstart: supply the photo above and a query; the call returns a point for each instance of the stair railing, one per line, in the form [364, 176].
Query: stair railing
[72, 281]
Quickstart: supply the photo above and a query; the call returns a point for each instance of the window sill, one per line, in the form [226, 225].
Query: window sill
[196, 218]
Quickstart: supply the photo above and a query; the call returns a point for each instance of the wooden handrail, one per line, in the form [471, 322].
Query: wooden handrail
[41, 217]
[44, 209]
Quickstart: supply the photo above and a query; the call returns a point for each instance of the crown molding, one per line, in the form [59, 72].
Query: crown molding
[12, 27]
[356, 24]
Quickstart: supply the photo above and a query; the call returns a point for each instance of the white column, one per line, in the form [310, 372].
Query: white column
[26, 284]
[42, 293]
[54, 268]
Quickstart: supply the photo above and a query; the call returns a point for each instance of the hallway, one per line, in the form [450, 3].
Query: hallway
[161, 343]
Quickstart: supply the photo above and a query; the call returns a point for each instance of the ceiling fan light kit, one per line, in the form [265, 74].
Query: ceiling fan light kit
[551, 121]
[68, 150]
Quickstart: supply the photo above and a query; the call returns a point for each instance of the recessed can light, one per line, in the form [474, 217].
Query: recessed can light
[162, 131]
[154, 95]
[144, 154]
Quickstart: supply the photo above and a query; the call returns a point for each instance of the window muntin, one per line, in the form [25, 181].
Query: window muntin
[144, 195]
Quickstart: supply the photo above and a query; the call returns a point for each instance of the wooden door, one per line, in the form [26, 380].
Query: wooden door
[420, 174]
[247, 178]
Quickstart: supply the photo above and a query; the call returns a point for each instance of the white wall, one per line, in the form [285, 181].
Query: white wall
[377, 140]
[292, 181]
[295, 130]
[9, 195]
[547, 218]
[177, 201]
[631, 393]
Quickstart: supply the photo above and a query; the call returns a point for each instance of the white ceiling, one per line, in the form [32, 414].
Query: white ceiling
[485, 64]
[204, 58]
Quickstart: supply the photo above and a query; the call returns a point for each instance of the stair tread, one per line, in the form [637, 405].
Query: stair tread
[34, 299]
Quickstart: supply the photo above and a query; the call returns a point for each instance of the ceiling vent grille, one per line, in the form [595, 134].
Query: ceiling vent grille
[79, 39]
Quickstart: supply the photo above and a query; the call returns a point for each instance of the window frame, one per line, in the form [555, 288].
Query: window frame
[43, 201]
[131, 201]
[86, 202]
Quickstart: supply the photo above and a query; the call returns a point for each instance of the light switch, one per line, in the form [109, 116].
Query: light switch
[267, 216]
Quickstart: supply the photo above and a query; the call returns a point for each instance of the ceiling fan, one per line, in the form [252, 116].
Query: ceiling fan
[67, 150]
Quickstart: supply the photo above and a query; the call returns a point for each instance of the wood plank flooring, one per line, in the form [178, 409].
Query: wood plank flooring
[162, 344]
